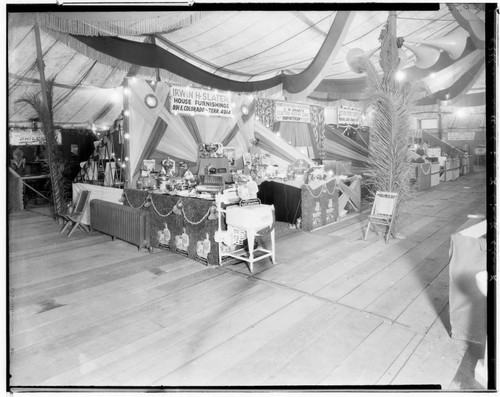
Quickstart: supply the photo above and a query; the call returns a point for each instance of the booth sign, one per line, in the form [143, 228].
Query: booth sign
[461, 136]
[348, 116]
[196, 101]
[28, 136]
[286, 111]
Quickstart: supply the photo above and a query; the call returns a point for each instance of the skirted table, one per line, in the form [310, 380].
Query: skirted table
[422, 175]
[184, 225]
[315, 204]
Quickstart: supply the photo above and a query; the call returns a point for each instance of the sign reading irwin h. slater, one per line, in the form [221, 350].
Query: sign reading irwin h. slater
[286, 111]
[195, 102]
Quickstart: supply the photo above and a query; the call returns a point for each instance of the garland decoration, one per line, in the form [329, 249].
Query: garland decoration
[324, 189]
[177, 209]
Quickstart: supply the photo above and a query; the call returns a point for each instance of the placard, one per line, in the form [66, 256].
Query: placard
[348, 116]
[286, 111]
[196, 102]
[461, 136]
[28, 136]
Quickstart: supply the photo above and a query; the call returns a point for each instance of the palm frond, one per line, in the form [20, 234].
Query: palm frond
[51, 153]
[389, 135]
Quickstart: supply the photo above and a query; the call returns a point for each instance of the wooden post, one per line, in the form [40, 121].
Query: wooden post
[47, 121]
[41, 69]
[126, 172]
[389, 50]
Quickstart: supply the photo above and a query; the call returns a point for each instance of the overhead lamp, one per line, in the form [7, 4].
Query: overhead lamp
[461, 113]
[400, 76]
[115, 96]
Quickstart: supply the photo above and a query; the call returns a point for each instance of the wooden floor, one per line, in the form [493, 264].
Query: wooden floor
[334, 310]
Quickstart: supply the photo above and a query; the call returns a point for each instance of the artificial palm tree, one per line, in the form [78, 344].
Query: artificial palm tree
[390, 102]
[51, 155]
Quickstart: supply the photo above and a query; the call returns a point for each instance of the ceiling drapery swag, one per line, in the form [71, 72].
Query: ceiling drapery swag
[150, 55]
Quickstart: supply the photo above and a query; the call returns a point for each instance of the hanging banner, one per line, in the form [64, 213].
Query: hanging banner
[286, 111]
[195, 102]
[348, 116]
[461, 136]
[28, 136]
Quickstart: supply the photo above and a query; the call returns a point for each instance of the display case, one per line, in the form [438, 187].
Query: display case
[435, 174]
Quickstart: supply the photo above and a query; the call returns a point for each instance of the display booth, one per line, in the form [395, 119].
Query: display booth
[184, 146]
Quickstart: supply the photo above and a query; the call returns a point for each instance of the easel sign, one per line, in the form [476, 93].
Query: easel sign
[148, 166]
[299, 167]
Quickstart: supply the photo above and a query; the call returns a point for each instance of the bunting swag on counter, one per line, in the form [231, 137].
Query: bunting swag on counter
[150, 55]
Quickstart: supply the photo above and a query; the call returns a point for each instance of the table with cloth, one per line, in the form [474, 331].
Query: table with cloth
[180, 224]
[467, 303]
[316, 204]
[105, 193]
[422, 175]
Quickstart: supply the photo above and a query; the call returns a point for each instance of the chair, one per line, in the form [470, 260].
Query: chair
[74, 218]
[383, 212]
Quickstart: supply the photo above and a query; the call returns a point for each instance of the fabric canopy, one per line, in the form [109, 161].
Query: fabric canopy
[295, 54]
[150, 55]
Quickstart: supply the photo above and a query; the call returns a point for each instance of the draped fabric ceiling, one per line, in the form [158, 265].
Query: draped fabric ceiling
[297, 55]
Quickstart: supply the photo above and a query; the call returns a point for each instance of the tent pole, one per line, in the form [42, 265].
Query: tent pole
[47, 122]
[41, 70]
[127, 171]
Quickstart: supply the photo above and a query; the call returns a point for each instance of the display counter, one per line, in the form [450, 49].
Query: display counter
[467, 303]
[435, 174]
[316, 203]
[184, 225]
[451, 170]
[110, 194]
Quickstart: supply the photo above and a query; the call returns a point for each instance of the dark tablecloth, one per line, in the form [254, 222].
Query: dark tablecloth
[286, 199]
